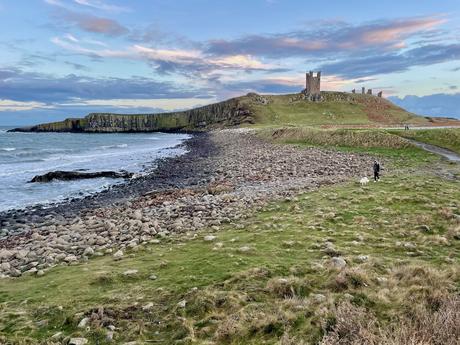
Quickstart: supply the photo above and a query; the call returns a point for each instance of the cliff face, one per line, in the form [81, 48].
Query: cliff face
[335, 108]
[227, 113]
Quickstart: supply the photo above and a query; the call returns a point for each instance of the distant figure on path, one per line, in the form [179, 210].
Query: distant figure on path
[406, 127]
[376, 171]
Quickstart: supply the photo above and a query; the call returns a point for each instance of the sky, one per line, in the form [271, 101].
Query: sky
[67, 58]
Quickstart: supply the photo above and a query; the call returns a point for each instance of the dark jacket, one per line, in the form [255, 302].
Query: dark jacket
[376, 167]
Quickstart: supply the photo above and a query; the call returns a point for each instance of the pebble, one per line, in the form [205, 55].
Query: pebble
[88, 251]
[118, 255]
[83, 322]
[130, 273]
[78, 341]
[338, 262]
[148, 306]
[362, 258]
[244, 249]
[246, 174]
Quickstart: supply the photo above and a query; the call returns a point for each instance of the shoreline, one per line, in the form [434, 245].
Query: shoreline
[116, 193]
[226, 176]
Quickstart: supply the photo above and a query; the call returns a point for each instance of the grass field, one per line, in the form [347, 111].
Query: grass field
[269, 280]
[448, 138]
[336, 109]
[345, 264]
[379, 143]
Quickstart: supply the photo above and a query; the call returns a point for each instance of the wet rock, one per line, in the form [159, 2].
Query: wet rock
[78, 175]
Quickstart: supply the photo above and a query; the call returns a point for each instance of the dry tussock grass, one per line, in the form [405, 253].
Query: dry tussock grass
[287, 287]
[286, 339]
[424, 326]
[254, 319]
[417, 275]
[453, 233]
[446, 212]
[351, 278]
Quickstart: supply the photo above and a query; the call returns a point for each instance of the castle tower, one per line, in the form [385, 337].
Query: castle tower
[313, 86]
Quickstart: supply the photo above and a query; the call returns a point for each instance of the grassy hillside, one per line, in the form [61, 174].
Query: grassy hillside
[271, 280]
[337, 108]
[379, 143]
[448, 138]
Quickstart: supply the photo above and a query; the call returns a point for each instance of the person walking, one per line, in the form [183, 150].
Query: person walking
[376, 168]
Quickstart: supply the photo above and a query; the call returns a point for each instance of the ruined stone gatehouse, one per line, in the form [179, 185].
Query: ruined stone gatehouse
[313, 86]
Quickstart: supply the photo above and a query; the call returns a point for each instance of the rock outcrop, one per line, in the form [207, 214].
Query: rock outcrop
[223, 114]
[77, 175]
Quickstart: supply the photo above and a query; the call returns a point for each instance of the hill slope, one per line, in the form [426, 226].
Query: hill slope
[337, 108]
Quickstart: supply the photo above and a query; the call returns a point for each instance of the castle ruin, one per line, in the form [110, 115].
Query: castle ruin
[369, 92]
[313, 86]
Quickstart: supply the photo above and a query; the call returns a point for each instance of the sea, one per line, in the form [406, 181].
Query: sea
[24, 155]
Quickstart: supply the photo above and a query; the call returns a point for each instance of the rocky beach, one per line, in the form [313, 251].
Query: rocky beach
[225, 175]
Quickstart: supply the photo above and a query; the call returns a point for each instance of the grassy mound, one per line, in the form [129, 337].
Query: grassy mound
[340, 138]
[448, 138]
[337, 108]
[379, 143]
[344, 262]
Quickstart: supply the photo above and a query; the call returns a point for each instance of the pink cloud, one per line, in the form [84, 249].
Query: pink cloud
[95, 24]
[400, 30]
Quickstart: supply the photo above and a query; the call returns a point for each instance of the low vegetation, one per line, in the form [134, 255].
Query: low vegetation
[378, 143]
[448, 138]
[339, 137]
[343, 265]
[337, 108]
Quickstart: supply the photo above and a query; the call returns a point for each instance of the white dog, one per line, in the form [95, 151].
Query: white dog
[364, 181]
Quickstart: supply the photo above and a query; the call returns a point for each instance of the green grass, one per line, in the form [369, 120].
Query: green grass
[448, 138]
[336, 109]
[375, 142]
[236, 296]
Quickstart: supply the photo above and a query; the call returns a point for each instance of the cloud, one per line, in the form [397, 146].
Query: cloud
[10, 105]
[270, 85]
[359, 67]
[190, 62]
[77, 66]
[94, 24]
[337, 37]
[433, 105]
[20, 86]
[101, 5]
[65, 14]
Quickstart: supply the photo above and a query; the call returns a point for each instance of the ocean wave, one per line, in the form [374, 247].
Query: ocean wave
[119, 146]
[7, 148]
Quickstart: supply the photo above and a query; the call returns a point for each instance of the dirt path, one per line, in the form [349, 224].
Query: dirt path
[450, 155]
